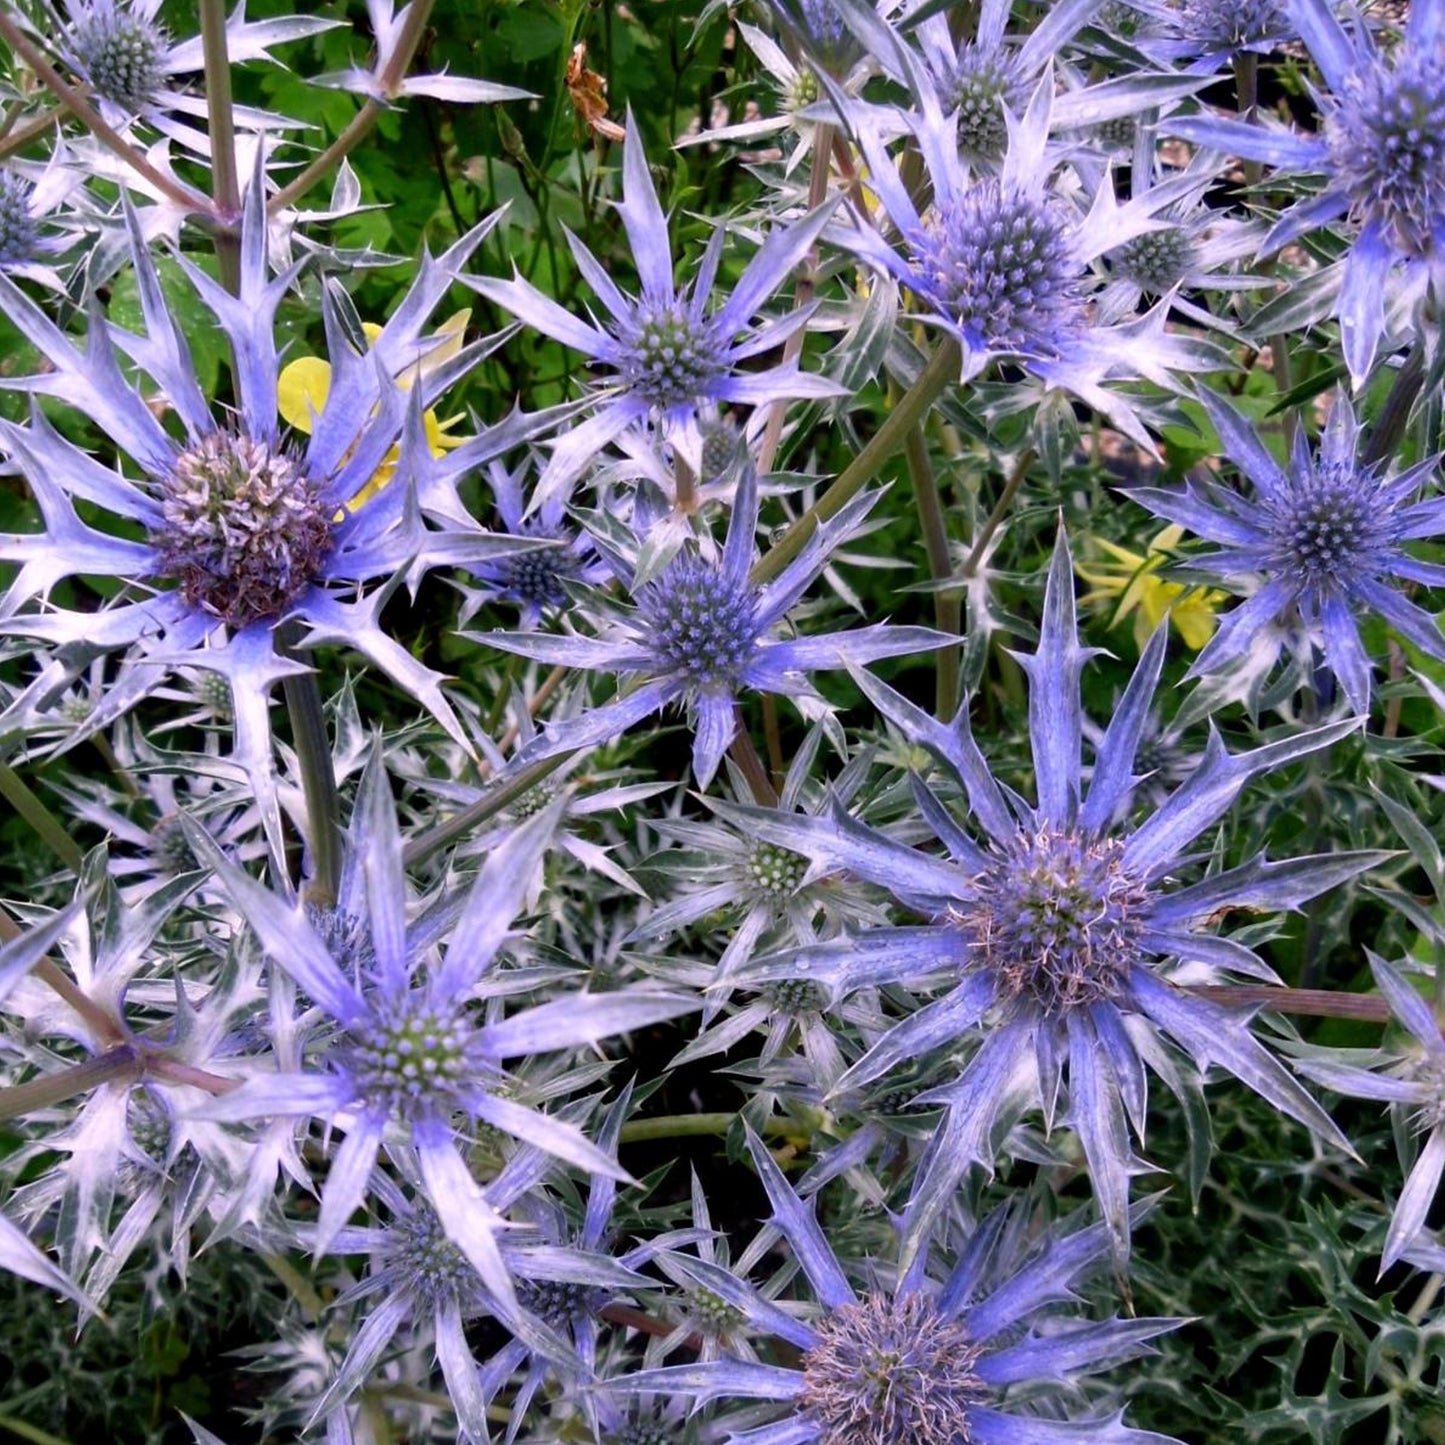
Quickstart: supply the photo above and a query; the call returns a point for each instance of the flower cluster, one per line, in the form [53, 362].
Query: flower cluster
[575, 865]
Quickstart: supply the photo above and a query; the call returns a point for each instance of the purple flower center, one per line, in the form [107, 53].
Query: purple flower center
[560, 1302]
[667, 355]
[1058, 919]
[430, 1266]
[537, 578]
[244, 533]
[1328, 529]
[409, 1059]
[997, 261]
[700, 621]
[1230, 24]
[120, 53]
[1386, 140]
[19, 234]
[891, 1372]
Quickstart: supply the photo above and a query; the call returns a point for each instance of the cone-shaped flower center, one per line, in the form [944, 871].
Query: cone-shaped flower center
[18, 231]
[537, 577]
[776, 871]
[1387, 143]
[1329, 529]
[668, 357]
[120, 53]
[891, 1372]
[409, 1059]
[643, 1432]
[1156, 261]
[998, 263]
[979, 89]
[1058, 919]
[560, 1302]
[170, 849]
[244, 532]
[431, 1266]
[701, 622]
[1231, 23]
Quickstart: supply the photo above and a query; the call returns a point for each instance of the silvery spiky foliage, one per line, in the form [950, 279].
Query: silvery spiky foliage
[1322, 541]
[235, 529]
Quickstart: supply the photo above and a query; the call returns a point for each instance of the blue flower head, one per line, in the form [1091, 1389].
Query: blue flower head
[410, 1050]
[1005, 264]
[1321, 542]
[701, 631]
[223, 528]
[918, 1361]
[672, 358]
[1380, 152]
[1056, 932]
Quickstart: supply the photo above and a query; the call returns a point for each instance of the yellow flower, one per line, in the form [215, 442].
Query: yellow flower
[1130, 583]
[304, 385]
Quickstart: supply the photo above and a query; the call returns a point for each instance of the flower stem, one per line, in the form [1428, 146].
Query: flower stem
[460, 824]
[318, 779]
[947, 605]
[103, 1027]
[1395, 414]
[388, 82]
[943, 368]
[17, 793]
[75, 102]
[745, 755]
[687, 1126]
[51, 1089]
[1315, 1002]
[1000, 511]
[221, 113]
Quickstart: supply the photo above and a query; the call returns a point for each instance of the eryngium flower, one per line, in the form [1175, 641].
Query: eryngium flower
[1319, 544]
[227, 530]
[923, 1361]
[1381, 155]
[411, 1051]
[1004, 263]
[701, 631]
[670, 355]
[1411, 1075]
[1059, 930]
[133, 64]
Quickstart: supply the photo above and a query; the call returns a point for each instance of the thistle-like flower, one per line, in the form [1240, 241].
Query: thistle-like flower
[1003, 262]
[1380, 153]
[1320, 543]
[409, 1049]
[700, 631]
[134, 66]
[670, 355]
[221, 529]
[1059, 931]
[914, 1360]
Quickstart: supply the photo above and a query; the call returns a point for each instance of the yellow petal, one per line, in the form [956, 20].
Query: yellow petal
[302, 389]
[1195, 619]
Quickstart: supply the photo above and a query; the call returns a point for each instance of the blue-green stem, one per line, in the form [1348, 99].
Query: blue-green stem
[221, 114]
[1000, 511]
[51, 1089]
[942, 371]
